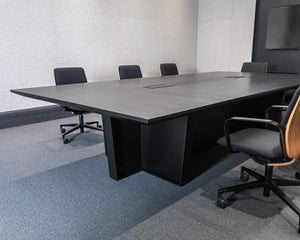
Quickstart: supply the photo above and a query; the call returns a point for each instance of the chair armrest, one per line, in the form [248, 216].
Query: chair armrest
[267, 112]
[254, 120]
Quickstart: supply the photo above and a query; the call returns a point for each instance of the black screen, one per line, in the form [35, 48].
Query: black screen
[283, 30]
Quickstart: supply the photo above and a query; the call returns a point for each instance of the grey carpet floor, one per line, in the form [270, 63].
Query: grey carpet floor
[49, 190]
[35, 148]
[250, 215]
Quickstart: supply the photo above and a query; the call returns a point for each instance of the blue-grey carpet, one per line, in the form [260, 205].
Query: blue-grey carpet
[80, 201]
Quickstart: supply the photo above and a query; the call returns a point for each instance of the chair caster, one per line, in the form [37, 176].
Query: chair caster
[62, 130]
[297, 175]
[99, 126]
[222, 202]
[66, 141]
[244, 177]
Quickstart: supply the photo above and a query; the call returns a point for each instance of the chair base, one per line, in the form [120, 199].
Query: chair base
[267, 182]
[81, 125]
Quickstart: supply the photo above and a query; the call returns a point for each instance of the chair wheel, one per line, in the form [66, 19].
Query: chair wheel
[297, 175]
[222, 202]
[66, 141]
[62, 130]
[244, 177]
[99, 126]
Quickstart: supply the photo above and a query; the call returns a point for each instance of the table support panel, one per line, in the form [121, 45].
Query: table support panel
[123, 146]
[163, 147]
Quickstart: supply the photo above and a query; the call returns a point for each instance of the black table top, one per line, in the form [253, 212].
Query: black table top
[152, 99]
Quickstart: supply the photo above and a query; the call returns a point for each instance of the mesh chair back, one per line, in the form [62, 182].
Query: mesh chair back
[168, 69]
[69, 75]
[130, 71]
[254, 67]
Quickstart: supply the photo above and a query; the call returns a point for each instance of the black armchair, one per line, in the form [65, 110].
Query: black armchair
[270, 148]
[72, 76]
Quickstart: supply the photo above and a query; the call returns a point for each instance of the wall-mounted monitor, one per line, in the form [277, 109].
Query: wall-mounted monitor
[283, 29]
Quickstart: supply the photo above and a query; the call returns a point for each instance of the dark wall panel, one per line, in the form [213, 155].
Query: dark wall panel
[287, 61]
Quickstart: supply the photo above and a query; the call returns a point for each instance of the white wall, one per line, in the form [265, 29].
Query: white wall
[39, 35]
[225, 34]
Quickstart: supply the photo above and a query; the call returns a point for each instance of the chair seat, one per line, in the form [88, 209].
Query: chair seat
[255, 141]
[74, 110]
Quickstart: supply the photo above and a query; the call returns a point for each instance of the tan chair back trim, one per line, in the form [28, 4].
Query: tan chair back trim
[282, 164]
[292, 134]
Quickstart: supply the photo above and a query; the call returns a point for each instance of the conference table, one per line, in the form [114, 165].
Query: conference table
[166, 125]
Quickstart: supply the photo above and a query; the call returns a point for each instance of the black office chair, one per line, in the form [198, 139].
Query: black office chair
[130, 71]
[267, 147]
[71, 76]
[255, 67]
[168, 69]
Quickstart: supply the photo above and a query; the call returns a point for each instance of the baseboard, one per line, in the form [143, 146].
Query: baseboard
[32, 115]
